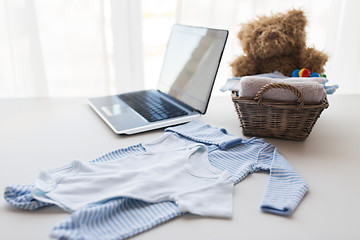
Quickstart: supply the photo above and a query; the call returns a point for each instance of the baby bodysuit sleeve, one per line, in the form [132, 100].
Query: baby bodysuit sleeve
[285, 188]
[211, 201]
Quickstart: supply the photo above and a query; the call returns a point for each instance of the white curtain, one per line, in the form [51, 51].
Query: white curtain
[63, 48]
[333, 26]
[87, 48]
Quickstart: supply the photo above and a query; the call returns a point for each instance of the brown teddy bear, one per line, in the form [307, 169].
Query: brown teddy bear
[277, 43]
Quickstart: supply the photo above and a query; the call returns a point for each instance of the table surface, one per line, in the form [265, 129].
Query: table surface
[37, 134]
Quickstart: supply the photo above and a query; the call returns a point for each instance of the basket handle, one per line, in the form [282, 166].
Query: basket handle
[299, 95]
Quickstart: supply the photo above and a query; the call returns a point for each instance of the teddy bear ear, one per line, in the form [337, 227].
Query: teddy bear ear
[241, 35]
[245, 29]
[296, 17]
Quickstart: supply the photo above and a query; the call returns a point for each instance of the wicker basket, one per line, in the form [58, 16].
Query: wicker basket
[270, 118]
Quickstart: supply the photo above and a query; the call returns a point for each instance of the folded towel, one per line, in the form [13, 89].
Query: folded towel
[311, 88]
[233, 84]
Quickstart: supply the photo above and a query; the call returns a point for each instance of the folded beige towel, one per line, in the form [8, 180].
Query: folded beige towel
[311, 88]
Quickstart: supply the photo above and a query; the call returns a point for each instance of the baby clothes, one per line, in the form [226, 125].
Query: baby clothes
[123, 217]
[170, 170]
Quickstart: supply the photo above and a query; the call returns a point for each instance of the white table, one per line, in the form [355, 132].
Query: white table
[37, 134]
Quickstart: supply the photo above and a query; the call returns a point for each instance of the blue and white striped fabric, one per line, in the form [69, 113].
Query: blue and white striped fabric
[121, 218]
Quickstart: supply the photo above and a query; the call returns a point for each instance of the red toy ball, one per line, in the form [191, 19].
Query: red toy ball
[304, 72]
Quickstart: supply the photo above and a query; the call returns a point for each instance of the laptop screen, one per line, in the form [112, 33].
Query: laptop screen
[190, 65]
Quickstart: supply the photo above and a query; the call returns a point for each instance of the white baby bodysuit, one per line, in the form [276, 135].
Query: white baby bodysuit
[170, 169]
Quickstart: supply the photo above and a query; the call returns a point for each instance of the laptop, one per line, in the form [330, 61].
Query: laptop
[187, 77]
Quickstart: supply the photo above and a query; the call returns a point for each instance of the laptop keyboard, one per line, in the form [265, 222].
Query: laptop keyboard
[151, 106]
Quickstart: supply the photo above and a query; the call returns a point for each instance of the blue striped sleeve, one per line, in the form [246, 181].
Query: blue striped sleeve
[20, 196]
[285, 188]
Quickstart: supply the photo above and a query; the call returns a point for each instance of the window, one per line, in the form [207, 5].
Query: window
[158, 18]
[89, 48]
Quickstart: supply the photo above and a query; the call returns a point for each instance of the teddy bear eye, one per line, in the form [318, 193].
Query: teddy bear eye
[258, 33]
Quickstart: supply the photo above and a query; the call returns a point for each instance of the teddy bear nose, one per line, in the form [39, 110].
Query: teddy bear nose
[273, 35]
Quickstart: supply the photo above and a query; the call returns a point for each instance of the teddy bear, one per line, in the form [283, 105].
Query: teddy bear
[277, 43]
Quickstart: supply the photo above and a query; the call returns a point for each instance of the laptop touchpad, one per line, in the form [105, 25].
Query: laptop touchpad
[115, 109]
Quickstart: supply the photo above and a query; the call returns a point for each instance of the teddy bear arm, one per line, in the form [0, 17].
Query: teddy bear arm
[314, 60]
[243, 66]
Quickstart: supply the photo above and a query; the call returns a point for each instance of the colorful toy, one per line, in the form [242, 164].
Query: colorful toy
[314, 74]
[276, 43]
[304, 72]
[295, 73]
